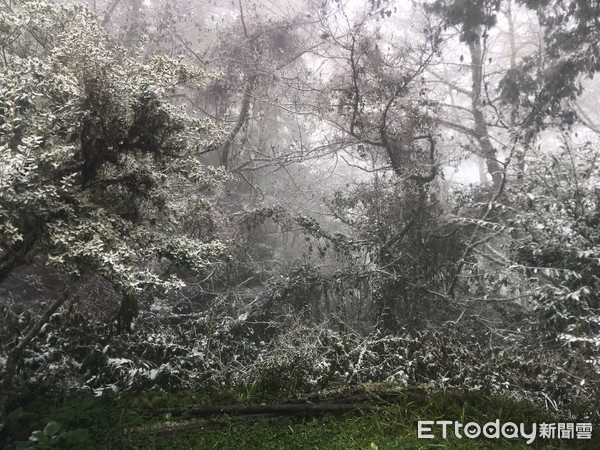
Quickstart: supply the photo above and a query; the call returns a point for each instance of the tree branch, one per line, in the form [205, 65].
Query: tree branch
[14, 355]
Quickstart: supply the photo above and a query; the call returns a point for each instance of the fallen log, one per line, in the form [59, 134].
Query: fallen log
[281, 409]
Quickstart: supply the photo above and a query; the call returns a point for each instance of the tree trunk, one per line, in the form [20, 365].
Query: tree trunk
[242, 118]
[488, 151]
[483, 179]
[519, 146]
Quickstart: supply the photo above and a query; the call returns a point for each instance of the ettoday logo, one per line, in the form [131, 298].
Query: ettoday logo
[507, 430]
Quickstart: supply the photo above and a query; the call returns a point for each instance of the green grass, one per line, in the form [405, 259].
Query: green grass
[360, 431]
[131, 422]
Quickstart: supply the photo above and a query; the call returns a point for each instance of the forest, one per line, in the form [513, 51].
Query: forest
[297, 224]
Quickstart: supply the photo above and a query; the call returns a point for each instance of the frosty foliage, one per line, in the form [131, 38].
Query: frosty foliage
[104, 193]
[90, 144]
[215, 351]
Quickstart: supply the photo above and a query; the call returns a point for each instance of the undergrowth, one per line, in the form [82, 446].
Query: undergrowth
[138, 421]
[96, 387]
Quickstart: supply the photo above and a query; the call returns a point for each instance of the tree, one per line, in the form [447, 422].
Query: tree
[558, 248]
[474, 21]
[370, 91]
[571, 35]
[89, 145]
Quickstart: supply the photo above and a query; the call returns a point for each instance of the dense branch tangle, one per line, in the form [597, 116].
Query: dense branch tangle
[382, 106]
